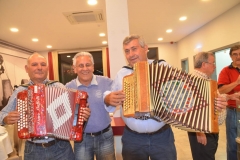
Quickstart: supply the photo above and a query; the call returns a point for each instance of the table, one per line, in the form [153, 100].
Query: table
[5, 146]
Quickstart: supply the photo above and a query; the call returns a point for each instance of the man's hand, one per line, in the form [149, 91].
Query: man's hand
[115, 98]
[12, 117]
[201, 138]
[220, 103]
[86, 112]
[234, 96]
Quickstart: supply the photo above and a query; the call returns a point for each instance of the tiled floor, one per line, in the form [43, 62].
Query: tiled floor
[183, 147]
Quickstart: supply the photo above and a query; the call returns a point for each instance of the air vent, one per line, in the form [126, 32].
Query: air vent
[84, 16]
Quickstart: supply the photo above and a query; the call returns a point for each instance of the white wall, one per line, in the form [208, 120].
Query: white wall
[168, 52]
[222, 31]
[13, 63]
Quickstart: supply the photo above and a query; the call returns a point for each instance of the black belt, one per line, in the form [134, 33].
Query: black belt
[232, 108]
[44, 145]
[100, 132]
[165, 127]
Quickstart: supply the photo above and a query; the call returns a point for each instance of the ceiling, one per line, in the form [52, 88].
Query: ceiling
[44, 19]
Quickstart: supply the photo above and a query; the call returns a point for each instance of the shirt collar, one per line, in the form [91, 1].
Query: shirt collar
[93, 82]
[44, 82]
[201, 74]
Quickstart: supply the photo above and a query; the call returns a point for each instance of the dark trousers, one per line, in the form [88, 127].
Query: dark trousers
[199, 151]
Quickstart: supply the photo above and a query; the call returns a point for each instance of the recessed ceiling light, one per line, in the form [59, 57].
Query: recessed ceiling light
[183, 18]
[160, 39]
[102, 34]
[14, 29]
[48, 46]
[92, 2]
[35, 40]
[169, 30]
[68, 56]
[104, 42]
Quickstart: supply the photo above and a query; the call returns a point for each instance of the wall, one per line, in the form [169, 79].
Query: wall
[13, 63]
[220, 32]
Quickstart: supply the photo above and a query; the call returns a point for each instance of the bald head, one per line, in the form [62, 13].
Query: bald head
[37, 68]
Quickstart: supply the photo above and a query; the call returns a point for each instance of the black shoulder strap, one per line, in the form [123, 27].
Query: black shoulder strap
[48, 83]
[127, 67]
[158, 61]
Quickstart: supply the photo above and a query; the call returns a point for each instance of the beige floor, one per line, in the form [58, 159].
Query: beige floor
[183, 147]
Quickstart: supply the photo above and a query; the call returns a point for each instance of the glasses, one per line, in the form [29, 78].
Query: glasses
[87, 65]
[235, 54]
[211, 63]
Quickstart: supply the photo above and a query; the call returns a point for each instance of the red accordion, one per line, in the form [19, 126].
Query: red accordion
[51, 111]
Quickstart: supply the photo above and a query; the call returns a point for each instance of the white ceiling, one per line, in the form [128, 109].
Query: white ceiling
[44, 19]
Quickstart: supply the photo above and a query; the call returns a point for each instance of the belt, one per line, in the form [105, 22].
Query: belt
[45, 145]
[232, 108]
[100, 132]
[165, 127]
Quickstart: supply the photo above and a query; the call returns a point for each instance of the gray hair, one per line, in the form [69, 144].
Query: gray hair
[82, 54]
[129, 38]
[200, 58]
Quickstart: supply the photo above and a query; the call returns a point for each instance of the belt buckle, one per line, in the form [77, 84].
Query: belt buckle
[44, 145]
[92, 135]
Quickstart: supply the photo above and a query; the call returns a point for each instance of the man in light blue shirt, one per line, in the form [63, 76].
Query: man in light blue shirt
[98, 135]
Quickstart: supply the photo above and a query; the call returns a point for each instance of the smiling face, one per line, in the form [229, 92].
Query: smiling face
[134, 52]
[84, 68]
[37, 68]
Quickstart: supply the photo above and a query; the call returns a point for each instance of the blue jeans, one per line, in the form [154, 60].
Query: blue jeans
[102, 146]
[62, 150]
[158, 146]
[231, 134]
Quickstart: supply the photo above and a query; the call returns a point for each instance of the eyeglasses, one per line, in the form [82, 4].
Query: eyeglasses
[235, 54]
[87, 65]
[211, 63]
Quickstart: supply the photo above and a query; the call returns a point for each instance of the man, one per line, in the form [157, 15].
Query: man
[204, 145]
[98, 136]
[38, 149]
[142, 139]
[228, 82]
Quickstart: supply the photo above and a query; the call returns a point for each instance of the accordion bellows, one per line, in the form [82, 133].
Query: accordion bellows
[171, 95]
[51, 111]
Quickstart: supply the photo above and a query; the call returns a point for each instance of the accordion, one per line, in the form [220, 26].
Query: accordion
[171, 95]
[51, 111]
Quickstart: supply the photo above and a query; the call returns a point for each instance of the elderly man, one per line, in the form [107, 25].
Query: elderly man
[146, 138]
[38, 149]
[98, 135]
[204, 145]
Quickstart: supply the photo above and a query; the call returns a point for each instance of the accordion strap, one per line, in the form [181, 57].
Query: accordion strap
[46, 84]
[154, 62]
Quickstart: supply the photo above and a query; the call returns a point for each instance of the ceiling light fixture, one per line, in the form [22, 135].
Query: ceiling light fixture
[169, 30]
[48, 46]
[92, 2]
[14, 29]
[35, 40]
[183, 18]
[68, 56]
[102, 34]
[160, 39]
[104, 42]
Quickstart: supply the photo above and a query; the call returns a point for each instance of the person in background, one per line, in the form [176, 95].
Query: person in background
[38, 149]
[98, 135]
[228, 82]
[204, 145]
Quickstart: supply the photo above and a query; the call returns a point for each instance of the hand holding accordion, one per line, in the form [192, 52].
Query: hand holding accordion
[51, 111]
[171, 95]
